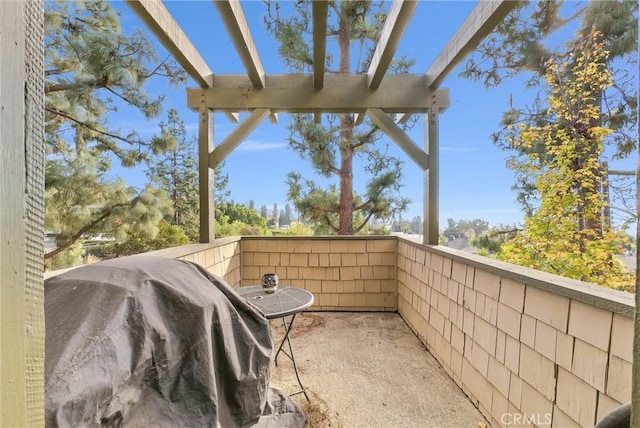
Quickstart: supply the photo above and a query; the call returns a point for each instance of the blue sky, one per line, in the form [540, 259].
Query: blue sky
[474, 182]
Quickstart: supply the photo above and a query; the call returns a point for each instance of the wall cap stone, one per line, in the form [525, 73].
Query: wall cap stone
[185, 250]
[319, 237]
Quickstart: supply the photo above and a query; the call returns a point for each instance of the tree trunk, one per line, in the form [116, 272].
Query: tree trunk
[590, 217]
[596, 180]
[346, 176]
[174, 196]
[346, 133]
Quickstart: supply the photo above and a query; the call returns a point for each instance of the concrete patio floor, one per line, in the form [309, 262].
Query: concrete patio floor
[369, 370]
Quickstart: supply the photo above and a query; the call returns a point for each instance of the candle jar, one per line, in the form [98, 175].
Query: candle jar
[270, 282]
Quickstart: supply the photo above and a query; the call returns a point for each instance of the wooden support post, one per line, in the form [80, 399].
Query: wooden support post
[206, 175]
[22, 327]
[431, 181]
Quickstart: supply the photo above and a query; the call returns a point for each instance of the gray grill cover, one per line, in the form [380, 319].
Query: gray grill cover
[147, 341]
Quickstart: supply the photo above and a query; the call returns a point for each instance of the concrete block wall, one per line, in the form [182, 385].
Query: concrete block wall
[528, 348]
[343, 273]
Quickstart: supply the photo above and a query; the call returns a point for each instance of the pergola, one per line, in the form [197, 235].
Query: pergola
[376, 94]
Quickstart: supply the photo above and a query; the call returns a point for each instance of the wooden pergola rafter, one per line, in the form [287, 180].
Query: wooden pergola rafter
[377, 93]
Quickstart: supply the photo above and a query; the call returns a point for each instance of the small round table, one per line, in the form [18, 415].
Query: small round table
[286, 301]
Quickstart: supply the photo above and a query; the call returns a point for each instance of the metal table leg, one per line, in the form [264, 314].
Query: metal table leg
[290, 354]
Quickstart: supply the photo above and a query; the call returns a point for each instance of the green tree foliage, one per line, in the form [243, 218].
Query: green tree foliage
[401, 225]
[176, 172]
[288, 215]
[489, 242]
[168, 236]
[221, 181]
[264, 212]
[296, 229]
[566, 235]
[285, 216]
[273, 221]
[464, 228]
[233, 211]
[415, 225]
[380, 228]
[82, 202]
[332, 145]
[523, 44]
[72, 256]
[238, 219]
[92, 68]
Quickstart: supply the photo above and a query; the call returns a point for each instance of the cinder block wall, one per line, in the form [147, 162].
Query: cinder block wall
[343, 273]
[520, 343]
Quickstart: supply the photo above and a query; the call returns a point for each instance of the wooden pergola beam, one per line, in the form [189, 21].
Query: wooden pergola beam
[482, 20]
[236, 137]
[293, 93]
[389, 127]
[158, 19]
[397, 20]
[238, 29]
[320, 9]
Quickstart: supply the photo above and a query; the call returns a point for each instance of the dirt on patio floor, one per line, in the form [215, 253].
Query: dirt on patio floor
[368, 370]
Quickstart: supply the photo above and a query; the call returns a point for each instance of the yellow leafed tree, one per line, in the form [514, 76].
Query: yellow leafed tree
[567, 234]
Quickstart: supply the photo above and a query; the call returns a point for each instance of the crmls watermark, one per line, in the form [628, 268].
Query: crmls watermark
[524, 419]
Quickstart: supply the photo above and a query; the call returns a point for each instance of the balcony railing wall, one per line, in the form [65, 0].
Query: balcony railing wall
[222, 257]
[523, 345]
[343, 273]
[527, 347]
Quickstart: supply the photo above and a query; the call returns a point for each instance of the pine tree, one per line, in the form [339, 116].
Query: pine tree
[81, 201]
[416, 225]
[286, 220]
[273, 220]
[264, 212]
[332, 146]
[176, 172]
[92, 68]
